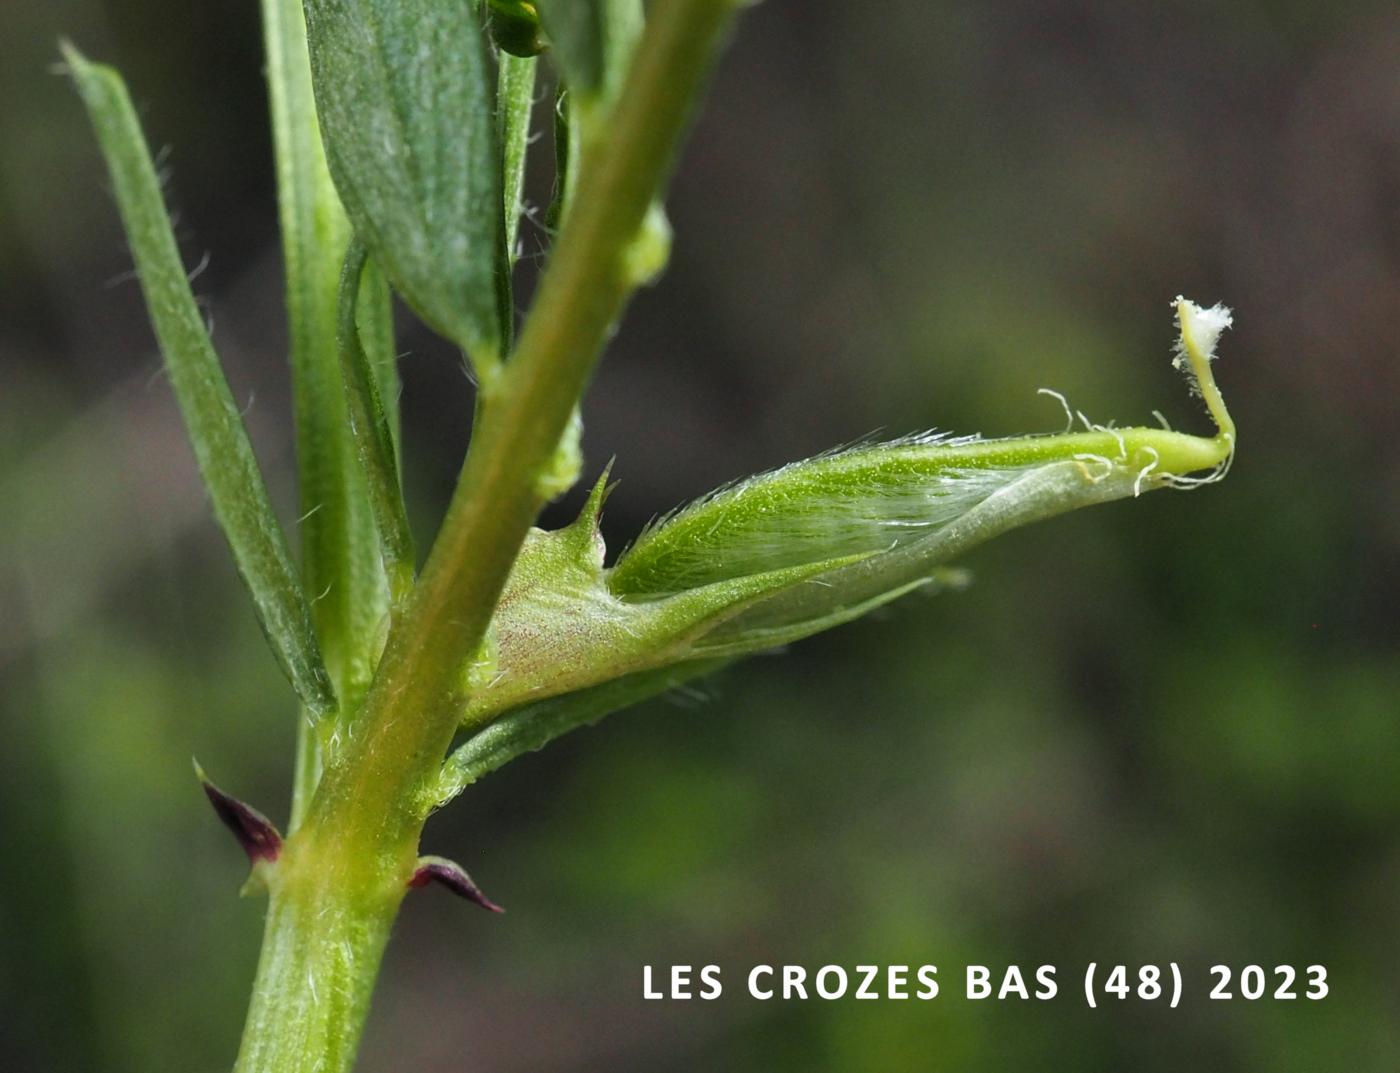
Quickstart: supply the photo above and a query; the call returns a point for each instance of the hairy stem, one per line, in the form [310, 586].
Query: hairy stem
[322, 945]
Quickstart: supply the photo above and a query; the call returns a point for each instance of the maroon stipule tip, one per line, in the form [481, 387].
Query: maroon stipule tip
[254, 831]
[452, 876]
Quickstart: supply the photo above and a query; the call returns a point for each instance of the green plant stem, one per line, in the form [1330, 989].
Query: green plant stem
[342, 874]
[321, 953]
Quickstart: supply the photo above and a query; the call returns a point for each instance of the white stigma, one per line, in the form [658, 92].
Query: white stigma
[1200, 330]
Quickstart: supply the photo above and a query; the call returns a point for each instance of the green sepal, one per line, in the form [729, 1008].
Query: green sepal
[909, 505]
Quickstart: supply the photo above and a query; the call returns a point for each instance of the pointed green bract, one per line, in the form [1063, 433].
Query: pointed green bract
[215, 427]
[406, 109]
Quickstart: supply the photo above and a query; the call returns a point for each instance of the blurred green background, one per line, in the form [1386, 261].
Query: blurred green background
[1160, 730]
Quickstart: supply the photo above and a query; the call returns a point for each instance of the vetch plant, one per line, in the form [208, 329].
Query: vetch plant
[401, 129]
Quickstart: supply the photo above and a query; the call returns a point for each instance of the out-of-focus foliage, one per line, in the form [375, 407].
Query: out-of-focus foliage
[1158, 731]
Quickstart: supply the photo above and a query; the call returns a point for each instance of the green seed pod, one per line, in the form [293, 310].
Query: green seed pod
[907, 506]
[806, 547]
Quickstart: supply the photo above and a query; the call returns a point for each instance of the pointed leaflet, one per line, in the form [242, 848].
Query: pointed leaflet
[406, 113]
[215, 428]
[340, 552]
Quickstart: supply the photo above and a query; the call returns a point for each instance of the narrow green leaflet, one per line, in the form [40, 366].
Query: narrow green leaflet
[216, 430]
[786, 554]
[593, 41]
[406, 108]
[374, 441]
[340, 550]
[575, 29]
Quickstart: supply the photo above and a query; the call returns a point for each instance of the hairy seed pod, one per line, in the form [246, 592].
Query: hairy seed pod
[785, 554]
[907, 506]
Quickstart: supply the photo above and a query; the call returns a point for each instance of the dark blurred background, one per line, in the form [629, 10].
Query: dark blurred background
[1161, 730]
